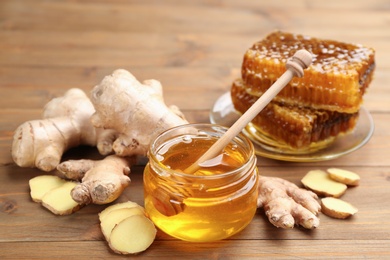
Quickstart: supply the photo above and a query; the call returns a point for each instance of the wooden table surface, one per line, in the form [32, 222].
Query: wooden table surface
[195, 49]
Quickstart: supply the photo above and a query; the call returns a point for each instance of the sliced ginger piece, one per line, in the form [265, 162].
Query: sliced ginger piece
[337, 208]
[319, 182]
[127, 204]
[132, 235]
[59, 201]
[42, 184]
[344, 176]
[116, 216]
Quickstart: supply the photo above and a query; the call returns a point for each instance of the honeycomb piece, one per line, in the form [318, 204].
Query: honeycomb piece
[296, 127]
[336, 80]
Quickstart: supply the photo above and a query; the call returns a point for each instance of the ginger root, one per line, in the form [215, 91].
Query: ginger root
[65, 124]
[54, 194]
[285, 204]
[135, 110]
[126, 228]
[102, 181]
[75, 169]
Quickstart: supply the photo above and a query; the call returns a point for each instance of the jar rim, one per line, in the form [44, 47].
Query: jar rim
[244, 140]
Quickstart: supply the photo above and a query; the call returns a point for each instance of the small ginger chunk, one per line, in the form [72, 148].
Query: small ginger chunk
[103, 183]
[337, 208]
[319, 182]
[285, 204]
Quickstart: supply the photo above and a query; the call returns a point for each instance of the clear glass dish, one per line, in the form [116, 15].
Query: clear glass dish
[223, 113]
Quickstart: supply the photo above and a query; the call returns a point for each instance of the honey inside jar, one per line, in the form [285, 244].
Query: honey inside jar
[216, 201]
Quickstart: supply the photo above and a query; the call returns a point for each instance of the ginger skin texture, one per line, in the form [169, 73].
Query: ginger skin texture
[75, 169]
[286, 205]
[135, 110]
[65, 124]
[101, 181]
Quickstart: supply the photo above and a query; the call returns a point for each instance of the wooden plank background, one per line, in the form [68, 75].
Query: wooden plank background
[195, 49]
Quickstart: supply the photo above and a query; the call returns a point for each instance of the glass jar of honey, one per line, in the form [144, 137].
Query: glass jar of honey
[216, 201]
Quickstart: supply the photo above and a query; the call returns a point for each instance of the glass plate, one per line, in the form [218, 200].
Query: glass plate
[223, 113]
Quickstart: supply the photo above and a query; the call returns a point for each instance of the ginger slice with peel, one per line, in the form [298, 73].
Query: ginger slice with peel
[319, 182]
[132, 235]
[344, 176]
[59, 201]
[126, 228]
[42, 184]
[337, 208]
[122, 205]
[116, 216]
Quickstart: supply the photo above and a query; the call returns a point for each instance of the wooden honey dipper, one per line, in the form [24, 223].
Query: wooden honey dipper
[295, 66]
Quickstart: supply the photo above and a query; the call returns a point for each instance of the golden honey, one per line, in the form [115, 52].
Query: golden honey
[217, 200]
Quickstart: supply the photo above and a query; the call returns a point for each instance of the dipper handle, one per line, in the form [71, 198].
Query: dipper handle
[295, 66]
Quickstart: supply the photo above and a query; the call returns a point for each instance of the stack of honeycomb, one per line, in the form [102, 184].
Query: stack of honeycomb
[322, 104]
